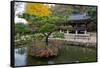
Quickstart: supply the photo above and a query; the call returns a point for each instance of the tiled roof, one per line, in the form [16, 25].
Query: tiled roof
[78, 17]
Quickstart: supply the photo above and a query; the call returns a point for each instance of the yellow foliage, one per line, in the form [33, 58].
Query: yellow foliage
[37, 8]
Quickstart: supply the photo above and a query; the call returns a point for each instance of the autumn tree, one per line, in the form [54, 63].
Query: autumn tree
[38, 18]
[37, 9]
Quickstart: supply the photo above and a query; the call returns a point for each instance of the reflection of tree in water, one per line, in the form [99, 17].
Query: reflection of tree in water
[21, 51]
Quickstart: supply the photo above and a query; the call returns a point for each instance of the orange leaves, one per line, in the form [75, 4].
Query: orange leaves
[37, 8]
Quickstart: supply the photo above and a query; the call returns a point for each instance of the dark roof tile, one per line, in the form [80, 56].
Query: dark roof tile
[78, 17]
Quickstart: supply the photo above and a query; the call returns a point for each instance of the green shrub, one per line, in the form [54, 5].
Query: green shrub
[26, 39]
[22, 39]
[58, 35]
[38, 36]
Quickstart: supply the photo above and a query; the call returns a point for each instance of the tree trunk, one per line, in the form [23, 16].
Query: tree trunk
[47, 36]
[46, 40]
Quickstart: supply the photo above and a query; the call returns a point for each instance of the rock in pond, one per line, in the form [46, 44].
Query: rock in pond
[38, 51]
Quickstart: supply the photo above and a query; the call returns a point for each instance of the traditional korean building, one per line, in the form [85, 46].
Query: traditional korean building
[79, 23]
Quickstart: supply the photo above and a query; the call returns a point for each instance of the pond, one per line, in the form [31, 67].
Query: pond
[67, 54]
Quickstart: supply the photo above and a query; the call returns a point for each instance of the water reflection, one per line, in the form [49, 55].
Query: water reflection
[67, 54]
[50, 62]
[20, 56]
[21, 51]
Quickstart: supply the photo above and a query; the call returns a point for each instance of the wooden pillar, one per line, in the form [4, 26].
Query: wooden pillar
[85, 32]
[60, 30]
[76, 31]
[67, 31]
